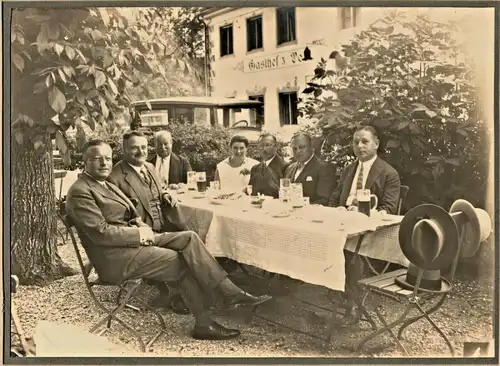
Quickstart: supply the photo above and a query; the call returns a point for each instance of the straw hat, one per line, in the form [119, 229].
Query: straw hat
[477, 227]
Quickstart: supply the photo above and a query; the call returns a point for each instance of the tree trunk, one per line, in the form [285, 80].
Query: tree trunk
[33, 227]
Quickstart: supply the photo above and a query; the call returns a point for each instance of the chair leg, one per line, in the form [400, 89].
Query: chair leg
[418, 317]
[389, 329]
[356, 295]
[448, 343]
[386, 327]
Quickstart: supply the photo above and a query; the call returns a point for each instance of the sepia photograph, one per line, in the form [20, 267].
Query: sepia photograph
[274, 182]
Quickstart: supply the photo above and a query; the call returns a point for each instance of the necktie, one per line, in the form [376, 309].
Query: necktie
[163, 174]
[359, 183]
[145, 176]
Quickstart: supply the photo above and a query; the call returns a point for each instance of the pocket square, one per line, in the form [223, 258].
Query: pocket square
[309, 179]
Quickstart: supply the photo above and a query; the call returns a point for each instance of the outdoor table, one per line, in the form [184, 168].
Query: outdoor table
[294, 246]
[63, 180]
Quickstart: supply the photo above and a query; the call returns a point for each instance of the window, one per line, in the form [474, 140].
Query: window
[259, 112]
[285, 20]
[226, 40]
[288, 108]
[349, 17]
[254, 33]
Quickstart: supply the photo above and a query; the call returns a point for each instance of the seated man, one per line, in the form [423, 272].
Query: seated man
[138, 180]
[121, 246]
[171, 168]
[317, 176]
[265, 177]
[367, 172]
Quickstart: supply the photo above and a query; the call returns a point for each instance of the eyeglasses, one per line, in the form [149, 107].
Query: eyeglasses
[101, 158]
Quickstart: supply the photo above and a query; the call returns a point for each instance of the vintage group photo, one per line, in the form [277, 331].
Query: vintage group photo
[248, 182]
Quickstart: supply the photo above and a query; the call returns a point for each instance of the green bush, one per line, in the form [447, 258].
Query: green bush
[408, 79]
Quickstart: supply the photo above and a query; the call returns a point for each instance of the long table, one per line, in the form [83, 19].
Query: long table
[294, 246]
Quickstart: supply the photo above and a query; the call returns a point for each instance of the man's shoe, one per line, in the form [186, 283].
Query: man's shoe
[214, 332]
[246, 299]
[178, 306]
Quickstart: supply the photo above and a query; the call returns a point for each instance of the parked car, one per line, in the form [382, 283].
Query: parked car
[240, 116]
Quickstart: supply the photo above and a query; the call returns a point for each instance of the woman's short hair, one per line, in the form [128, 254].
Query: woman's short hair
[238, 138]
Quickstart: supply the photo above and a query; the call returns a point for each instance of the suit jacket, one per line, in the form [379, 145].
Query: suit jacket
[318, 180]
[179, 166]
[129, 182]
[101, 217]
[266, 179]
[383, 181]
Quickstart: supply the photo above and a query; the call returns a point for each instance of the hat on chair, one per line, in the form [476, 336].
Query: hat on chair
[477, 226]
[428, 237]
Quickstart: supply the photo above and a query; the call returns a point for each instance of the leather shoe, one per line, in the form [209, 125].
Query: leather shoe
[214, 332]
[246, 299]
[178, 306]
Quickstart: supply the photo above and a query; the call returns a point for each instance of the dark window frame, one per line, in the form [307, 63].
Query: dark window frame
[226, 46]
[351, 20]
[253, 39]
[290, 29]
[293, 113]
[260, 111]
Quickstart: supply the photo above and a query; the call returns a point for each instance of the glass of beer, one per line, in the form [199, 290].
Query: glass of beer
[191, 180]
[364, 198]
[201, 181]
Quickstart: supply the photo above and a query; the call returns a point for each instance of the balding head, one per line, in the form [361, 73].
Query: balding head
[163, 143]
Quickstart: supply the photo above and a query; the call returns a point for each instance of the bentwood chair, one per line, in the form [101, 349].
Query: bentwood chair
[129, 288]
[424, 301]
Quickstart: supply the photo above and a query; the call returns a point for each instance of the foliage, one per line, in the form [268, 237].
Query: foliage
[75, 66]
[408, 79]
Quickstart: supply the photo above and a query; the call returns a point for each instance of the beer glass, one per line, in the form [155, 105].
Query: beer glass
[191, 180]
[364, 198]
[201, 181]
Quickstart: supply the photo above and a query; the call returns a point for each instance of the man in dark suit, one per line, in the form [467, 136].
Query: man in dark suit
[120, 246]
[265, 177]
[368, 172]
[138, 180]
[317, 176]
[171, 168]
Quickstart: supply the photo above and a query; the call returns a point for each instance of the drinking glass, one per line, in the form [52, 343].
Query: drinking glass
[201, 181]
[249, 189]
[285, 182]
[191, 180]
[215, 184]
[363, 197]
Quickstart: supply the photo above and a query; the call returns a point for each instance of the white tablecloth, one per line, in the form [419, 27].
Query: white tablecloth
[67, 181]
[293, 246]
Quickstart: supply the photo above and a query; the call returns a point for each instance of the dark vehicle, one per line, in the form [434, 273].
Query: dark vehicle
[240, 116]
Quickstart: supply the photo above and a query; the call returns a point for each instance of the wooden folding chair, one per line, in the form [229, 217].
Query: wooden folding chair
[385, 285]
[129, 288]
[403, 192]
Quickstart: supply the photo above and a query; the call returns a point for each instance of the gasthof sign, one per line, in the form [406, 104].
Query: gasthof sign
[276, 61]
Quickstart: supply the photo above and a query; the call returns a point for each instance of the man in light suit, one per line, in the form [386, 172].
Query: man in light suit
[138, 180]
[171, 168]
[120, 246]
[317, 176]
[368, 172]
[265, 177]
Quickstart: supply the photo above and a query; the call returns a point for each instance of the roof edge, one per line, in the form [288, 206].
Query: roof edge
[209, 13]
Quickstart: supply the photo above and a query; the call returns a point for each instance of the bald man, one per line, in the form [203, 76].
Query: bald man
[171, 168]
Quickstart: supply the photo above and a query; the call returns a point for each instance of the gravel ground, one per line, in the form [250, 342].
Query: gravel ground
[465, 316]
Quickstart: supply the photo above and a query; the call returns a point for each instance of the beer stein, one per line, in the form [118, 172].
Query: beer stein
[364, 198]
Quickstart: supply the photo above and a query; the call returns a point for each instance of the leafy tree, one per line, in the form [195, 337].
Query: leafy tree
[408, 78]
[70, 67]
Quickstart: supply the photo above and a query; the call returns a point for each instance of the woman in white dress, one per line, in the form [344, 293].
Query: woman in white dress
[233, 173]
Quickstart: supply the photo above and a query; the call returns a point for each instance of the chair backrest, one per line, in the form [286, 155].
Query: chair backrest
[403, 192]
[68, 222]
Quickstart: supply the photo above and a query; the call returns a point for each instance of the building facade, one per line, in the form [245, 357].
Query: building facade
[269, 54]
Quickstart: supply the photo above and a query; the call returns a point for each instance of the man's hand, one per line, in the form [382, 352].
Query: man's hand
[137, 221]
[352, 208]
[245, 171]
[169, 200]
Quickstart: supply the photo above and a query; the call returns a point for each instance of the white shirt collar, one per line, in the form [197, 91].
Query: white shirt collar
[368, 164]
[102, 183]
[269, 161]
[136, 168]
